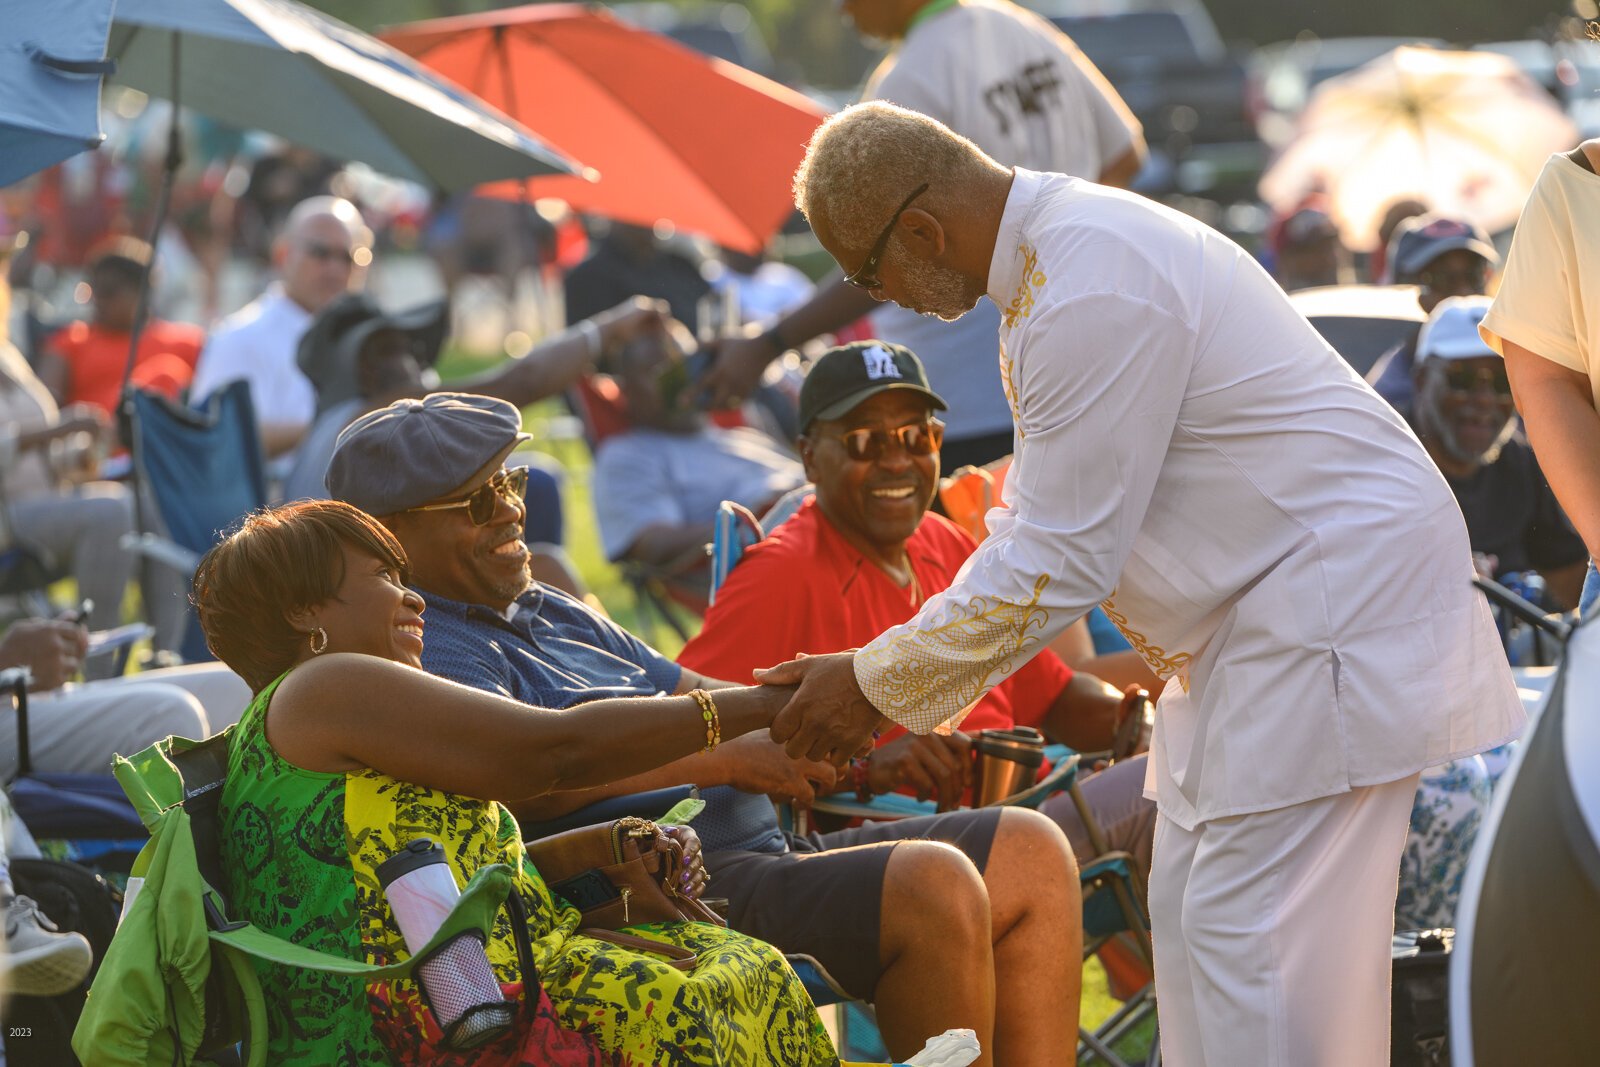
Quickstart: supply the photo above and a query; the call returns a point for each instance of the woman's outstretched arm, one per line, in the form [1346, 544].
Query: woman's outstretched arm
[345, 711]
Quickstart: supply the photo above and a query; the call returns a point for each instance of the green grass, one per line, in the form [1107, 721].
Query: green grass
[1097, 1005]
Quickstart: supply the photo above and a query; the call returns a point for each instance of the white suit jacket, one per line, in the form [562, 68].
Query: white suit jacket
[1265, 530]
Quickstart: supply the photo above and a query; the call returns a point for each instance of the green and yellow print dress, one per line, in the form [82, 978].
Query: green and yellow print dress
[301, 852]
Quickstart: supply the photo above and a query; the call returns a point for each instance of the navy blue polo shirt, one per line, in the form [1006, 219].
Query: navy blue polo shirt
[556, 652]
[553, 652]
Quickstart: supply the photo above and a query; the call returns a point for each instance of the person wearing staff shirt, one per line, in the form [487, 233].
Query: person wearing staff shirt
[1261, 526]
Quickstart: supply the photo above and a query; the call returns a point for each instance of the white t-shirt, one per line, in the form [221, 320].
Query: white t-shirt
[1263, 528]
[1026, 95]
[258, 343]
[644, 478]
[1013, 84]
[1542, 304]
[25, 406]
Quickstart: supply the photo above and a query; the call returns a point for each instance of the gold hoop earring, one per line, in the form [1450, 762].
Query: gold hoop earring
[319, 641]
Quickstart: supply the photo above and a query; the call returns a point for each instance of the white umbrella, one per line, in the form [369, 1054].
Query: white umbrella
[280, 66]
[1464, 132]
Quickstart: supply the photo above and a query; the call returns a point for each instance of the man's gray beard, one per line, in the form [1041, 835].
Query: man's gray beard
[1447, 438]
[515, 588]
[938, 291]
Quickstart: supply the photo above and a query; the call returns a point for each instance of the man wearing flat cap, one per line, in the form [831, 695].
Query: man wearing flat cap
[996, 950]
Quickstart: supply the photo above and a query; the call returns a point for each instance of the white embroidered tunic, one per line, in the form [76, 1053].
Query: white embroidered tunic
[1264, 529]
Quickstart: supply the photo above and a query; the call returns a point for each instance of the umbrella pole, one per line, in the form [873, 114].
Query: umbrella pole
[169, 175]
[530, 231]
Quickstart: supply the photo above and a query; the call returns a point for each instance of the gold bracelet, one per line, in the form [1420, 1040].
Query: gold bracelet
[708, 712]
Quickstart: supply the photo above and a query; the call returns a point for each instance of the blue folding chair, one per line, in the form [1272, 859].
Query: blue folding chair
[80, 817]
[203, 470]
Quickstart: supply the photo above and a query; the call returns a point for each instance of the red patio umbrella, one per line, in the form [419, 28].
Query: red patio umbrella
[675, 135]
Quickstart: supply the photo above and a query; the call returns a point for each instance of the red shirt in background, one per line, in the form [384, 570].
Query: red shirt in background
[806, 589]
[95, 358]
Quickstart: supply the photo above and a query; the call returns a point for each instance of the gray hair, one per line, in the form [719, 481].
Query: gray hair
[865, 160]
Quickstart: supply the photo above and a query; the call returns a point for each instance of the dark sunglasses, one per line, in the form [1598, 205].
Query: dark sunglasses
[482, 502]
[866, 275]
[918, 439]
[1468, 380]
[323, 253]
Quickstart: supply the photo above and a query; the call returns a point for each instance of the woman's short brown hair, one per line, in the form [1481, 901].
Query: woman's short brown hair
[278, 561]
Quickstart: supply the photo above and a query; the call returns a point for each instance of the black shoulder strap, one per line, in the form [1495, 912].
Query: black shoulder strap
[204, 769]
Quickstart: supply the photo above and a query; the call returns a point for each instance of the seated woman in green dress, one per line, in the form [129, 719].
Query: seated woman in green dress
[349, 751]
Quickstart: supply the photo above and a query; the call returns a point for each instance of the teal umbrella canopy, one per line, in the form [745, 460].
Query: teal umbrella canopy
[51, 63]
[279, 66]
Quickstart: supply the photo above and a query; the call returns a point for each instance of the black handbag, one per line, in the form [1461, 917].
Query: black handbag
[1419, 1007]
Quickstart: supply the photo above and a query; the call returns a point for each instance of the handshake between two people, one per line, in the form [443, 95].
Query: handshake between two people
[825, 723]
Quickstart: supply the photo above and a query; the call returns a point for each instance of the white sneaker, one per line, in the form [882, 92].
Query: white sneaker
[40, 961]
[953, 1048]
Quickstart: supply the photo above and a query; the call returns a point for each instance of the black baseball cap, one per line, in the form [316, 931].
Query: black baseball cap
[845, 376]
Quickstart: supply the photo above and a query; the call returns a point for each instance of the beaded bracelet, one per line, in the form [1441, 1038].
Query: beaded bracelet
[859, 769]
[708, 712]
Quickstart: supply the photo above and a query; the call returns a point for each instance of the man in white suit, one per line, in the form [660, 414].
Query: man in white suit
[1264, 529]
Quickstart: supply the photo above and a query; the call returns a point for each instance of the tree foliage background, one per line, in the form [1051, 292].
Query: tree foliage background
[812, 43]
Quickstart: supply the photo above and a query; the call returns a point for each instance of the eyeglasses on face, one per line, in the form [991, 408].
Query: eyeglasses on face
[323, 253]
[866, 275]
[482, 502]
[1468, 380]
[918, 439]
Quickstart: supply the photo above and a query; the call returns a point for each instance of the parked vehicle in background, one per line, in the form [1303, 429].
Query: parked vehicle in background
[1186, 88]
[1279, 78]
[1361, 322]
[1568, 70]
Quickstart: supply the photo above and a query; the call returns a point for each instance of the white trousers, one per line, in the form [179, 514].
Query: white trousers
[1272, 932]
[76, 729]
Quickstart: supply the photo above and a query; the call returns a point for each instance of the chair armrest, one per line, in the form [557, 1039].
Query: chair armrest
[160, 550]
[648, 805]
[889, 807]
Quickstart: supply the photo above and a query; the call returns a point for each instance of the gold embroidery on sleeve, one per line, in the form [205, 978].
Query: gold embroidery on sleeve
[1160, 661]
[918, 677]
[1021, 305]
[1008, 369]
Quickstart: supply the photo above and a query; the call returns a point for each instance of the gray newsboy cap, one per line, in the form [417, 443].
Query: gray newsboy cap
[416, 451]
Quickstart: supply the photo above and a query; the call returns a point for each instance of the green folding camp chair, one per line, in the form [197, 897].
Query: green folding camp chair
[176, 786]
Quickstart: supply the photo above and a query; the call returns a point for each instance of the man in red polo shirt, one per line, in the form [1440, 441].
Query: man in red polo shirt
[862, 555]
